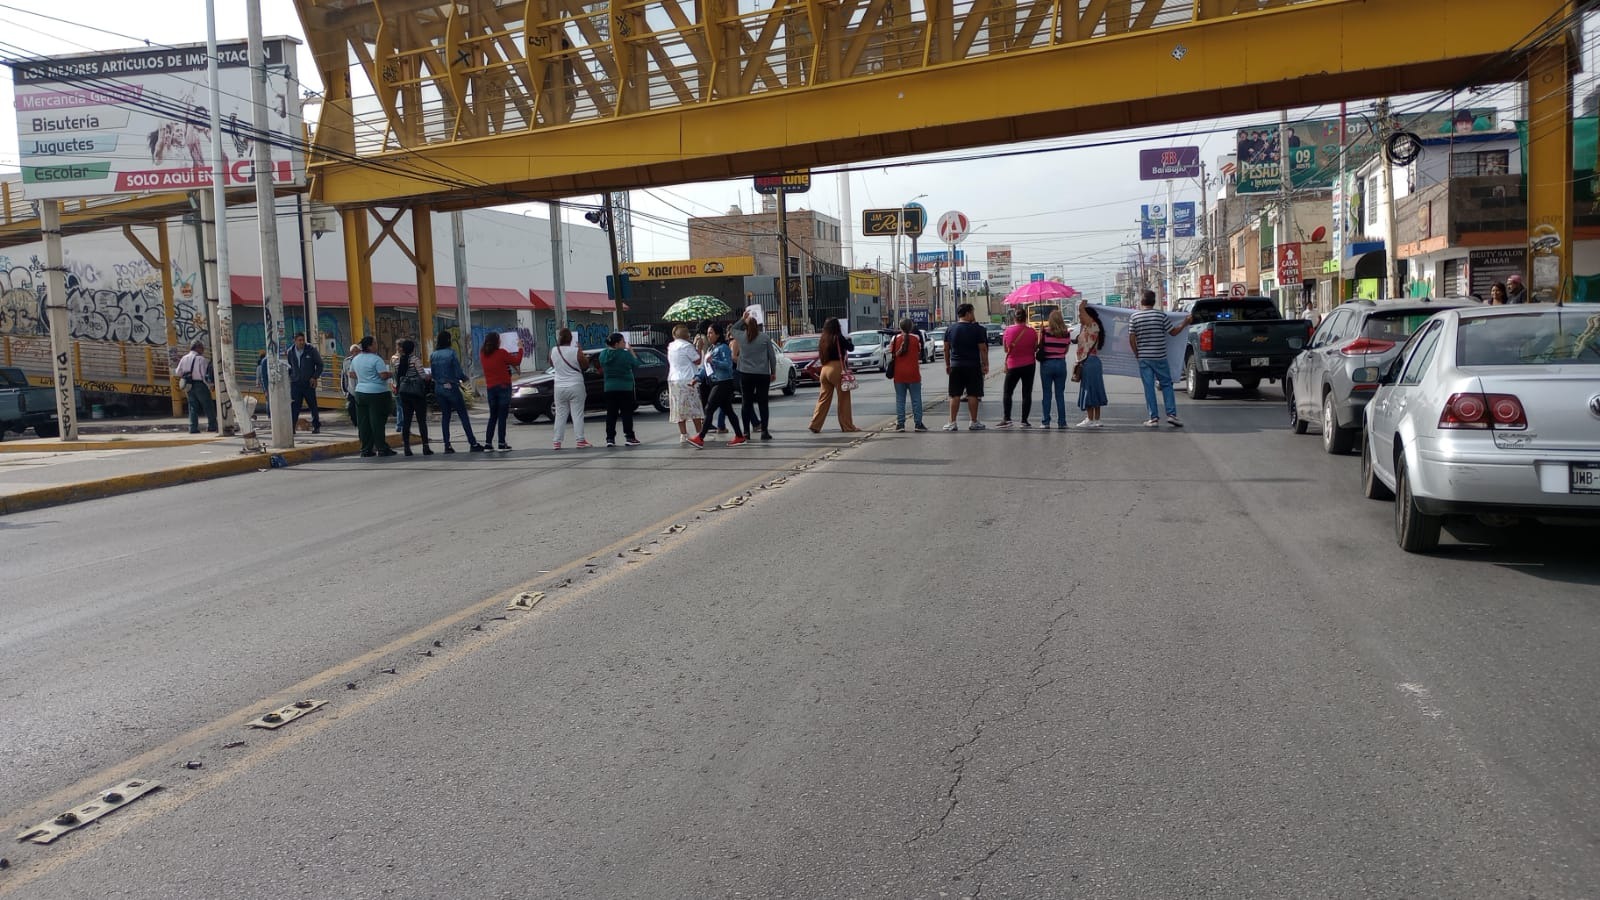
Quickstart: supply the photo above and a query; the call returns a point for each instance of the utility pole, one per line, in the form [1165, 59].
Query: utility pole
[308, 275]
[60, 322]
[1172, 247]
[1205, 231]
[558, 273]
[458, 237]
[783, 252]
[266, 216]
[1341, 224]
[1286, 199]
[616, 265]
[1391, 243]
[222, 333]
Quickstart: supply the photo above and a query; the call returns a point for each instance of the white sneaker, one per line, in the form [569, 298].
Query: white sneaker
[1086, 423]
[951, 427]
[1094, 424]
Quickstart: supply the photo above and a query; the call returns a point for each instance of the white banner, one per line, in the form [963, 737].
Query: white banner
[137, 121]
[1116, 357]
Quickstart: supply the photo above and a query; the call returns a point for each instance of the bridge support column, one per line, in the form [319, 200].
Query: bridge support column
[161, 261]
[427, 284]
[357, 273]
[1549, 172]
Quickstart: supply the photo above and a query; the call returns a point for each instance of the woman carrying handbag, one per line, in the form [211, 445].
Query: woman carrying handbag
[412, 388]
[835, 377]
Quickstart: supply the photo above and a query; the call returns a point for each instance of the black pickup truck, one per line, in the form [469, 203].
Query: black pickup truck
[1241, 339]
[23, 406]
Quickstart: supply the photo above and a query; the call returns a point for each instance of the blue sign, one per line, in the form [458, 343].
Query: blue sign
[1183, 220]
[1036, 276]
[1152, 221]
[919, 315]
[927, 260]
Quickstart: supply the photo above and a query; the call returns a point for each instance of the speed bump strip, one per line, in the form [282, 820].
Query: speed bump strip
[108, 801]
[283, 716]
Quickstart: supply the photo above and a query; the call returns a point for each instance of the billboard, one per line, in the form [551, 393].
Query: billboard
[795, 182]
[1288, 264]
[1169, 162]
[1314, 146]
[882, 222]
[1485, 267]
[137, 121]
[999, 269]
[691, 268]
[1183, 220]
[1152, 221]
[928, 260]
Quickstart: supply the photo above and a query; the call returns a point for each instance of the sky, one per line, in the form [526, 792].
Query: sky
[1070, 212]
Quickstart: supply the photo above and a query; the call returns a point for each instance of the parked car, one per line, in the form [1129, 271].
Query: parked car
[532, 398]
[23, 406]
[996, 332]
[936, 344]
[1320, 388]
[871, 352]
[1492, 412]
[802, 352]
[788, 377]
[1241, 339]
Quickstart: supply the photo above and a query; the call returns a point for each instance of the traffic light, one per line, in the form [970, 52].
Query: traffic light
[599, 217]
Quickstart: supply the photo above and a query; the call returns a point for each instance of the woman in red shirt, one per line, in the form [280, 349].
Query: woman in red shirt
[498, 366]
[905, 366]
[1020, 342]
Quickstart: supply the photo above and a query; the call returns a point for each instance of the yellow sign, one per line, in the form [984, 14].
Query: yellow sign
[690, 268]
[864, 284]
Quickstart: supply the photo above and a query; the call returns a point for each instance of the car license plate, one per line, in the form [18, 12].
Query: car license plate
[1260, 361]
[1583, 478]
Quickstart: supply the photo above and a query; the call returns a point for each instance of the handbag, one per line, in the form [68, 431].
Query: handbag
[1038, 352]
[1077, 371]
[888, 367]
[847, 379]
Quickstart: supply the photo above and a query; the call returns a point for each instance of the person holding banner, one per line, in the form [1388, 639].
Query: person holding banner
[1089, 374]
[1147, 336]
[497, 365]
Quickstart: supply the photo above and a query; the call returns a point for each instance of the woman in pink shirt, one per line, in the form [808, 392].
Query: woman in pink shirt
[1020, 342]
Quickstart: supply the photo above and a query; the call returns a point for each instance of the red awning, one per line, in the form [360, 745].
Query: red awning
[579, 300]
[246, 289]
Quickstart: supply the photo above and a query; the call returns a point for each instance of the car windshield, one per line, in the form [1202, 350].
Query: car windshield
[1556, 337]
[936, 335]
[1395, 325]
[869, 338]
[800, 345]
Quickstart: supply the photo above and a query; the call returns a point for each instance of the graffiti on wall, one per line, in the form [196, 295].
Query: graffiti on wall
[119, 302]
[590, 336]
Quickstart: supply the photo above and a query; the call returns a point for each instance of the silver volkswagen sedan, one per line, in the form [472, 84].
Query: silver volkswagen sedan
[1491, 412]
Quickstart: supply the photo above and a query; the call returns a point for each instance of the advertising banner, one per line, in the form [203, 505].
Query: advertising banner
[1183, 215]
[691, 268]
[137, 121]
[1288, 264]
[795, 182]
[999, 269]
[1169, 162]
[864, 284]
[1314, 146]
[1152, 221]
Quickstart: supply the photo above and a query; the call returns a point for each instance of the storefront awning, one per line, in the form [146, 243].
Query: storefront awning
[586, 301]
[246, 289]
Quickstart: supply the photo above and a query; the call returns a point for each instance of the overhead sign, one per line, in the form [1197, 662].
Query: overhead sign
[864, 284]
[691, 268]
[887, 222]
[797, 181]
[1152, 221]
[1169, 162]
[1288, 264]
[1036, 276]
[928, 260]
[999, 268]
[137, 121]
[1314, 146]
[954, 227]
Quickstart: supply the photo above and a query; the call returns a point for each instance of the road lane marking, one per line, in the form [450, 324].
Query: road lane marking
[560, 580]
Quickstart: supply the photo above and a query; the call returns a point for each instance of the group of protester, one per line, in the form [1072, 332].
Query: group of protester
[706, 370]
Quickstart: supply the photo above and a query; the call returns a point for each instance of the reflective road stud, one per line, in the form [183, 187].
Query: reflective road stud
[107, 802]
[281, 717]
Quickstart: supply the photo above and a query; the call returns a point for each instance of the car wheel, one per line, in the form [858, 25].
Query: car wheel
[525, 418]
[1195, 384]
[51, 430]
[1335, 440]
[791, 384]
[1414, 531]
[663, 401]
[1296, 424]
[1371, 487]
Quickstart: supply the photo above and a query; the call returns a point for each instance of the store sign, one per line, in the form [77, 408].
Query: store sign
[136, 121]
[864, 284]
[928, 260]
[691, 268]
[1168, 163]
[887, 222]
[999, 268]
[793, 182]
[1486, 267]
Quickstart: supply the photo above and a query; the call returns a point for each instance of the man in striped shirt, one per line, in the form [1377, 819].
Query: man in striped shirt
[1147, 335]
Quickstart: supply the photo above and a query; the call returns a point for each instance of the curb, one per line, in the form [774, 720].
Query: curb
[77, 492]
[74, 446]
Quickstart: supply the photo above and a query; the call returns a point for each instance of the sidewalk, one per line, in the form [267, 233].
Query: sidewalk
[39, 473]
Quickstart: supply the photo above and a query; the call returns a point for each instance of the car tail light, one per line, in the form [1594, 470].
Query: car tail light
[1502, 412]
[1206, 341]
[1362, 346]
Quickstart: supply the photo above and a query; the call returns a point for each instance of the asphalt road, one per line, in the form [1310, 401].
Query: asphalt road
[1130, 663]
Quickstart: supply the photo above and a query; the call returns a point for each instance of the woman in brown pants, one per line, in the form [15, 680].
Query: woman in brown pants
[831, 352]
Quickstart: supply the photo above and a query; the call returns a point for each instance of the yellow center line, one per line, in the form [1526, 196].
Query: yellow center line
[150, 763]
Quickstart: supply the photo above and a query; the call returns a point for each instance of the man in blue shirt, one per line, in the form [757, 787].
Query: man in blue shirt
[966, 361]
